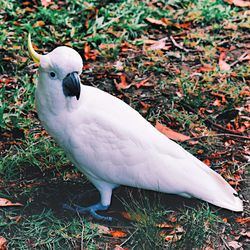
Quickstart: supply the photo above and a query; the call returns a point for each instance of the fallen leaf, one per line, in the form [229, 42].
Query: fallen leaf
[217, 103]
[46, 3]
[128, 216]
[171, 237]
[3, 243]
[243, 220]
[222, 63]
[145, 106]
[38, 24]
[158, 45]
[164, 225]
[164, 21]
[118, 234]
[117, 247]
[88, 53]
[225, 220]
[183, 25]
[244, 233]
[100, 228]
[239, 3]
[223, 98]
[205, 68]
[6, 203]
[171, 133]
[144, 83]
[123, 84]
[207, 162]
[235, 244]
[245, 92]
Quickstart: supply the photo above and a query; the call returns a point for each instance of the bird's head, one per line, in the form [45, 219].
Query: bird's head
[59, 69]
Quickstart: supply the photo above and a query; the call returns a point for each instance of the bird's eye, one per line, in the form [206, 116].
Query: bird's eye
[52, 74]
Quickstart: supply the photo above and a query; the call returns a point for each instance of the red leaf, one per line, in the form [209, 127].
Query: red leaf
[6, 203]
[171, 133]
[223, 98]
[145, 106]
[243, 220]
[123, 84]
[88, 53]
[207, 162]
[205, 68]
[118, 234]
[245, 92]
[183, 25]
[144, 84]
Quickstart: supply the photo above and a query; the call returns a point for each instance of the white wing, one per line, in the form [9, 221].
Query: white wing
[113, 143]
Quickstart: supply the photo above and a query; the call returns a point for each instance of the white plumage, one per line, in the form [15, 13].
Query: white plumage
[112, 144]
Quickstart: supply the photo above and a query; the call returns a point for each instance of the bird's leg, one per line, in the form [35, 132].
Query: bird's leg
[105, 190]
[90, 209]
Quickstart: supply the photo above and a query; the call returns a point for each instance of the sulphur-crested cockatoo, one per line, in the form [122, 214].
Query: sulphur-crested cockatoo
[112, 144]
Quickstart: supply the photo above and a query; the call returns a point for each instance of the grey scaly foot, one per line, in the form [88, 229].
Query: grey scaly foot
[90, 209]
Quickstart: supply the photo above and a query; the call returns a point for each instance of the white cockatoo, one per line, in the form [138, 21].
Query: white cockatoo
[112, 144]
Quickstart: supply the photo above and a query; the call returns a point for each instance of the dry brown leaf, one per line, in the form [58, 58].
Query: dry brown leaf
[171, 237]
[3, 243]
[235, 244]
[158, 45]
[117, 247]
[100, 228]
[239, 3]
[7, 203]
[144, 83]
[222, 63]
[128, 216]
[164, 225]
[164, 21]
[217, 102]
[171, 133]
[38, 24]
[46, 3]
[183, 25]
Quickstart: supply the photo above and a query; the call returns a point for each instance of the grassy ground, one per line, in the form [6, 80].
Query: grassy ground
[184, 64]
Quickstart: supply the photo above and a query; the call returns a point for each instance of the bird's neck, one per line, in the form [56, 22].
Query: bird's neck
[55, 104]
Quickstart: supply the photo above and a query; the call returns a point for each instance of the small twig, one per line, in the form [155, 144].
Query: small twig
[210, 121]
[128, 238]
[218, 135]
[239, 59]
[82, 233]
[177, 45]
[225, 243]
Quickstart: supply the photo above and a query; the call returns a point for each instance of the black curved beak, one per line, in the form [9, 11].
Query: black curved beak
[71, 85]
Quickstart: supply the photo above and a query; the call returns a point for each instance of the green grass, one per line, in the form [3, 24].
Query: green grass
[46, 231]
[29, 155]
[200, 226]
